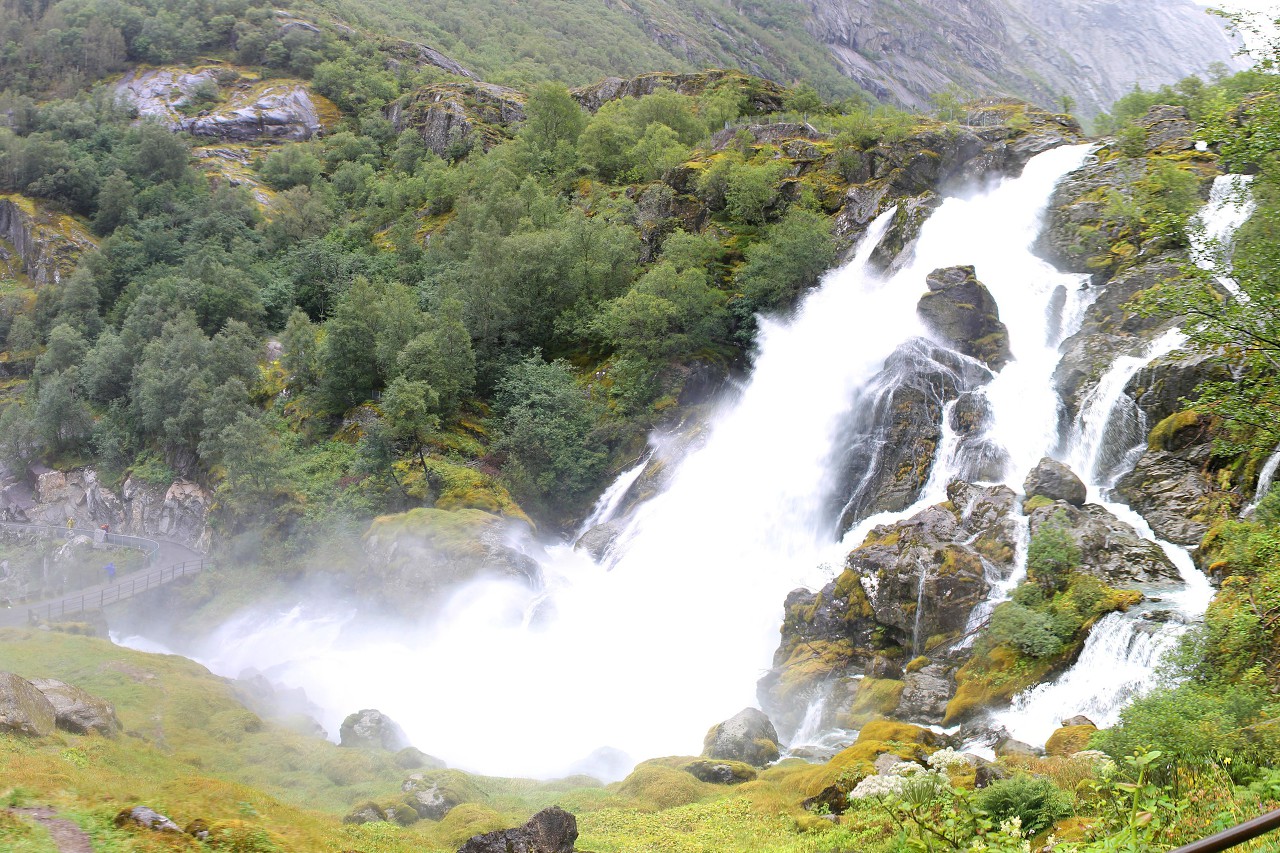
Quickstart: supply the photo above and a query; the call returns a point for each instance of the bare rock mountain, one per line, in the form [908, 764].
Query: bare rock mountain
[1091, 50]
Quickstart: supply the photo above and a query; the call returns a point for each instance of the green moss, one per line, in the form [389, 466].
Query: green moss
[1173, 430]
[1034, 503]
[876, 697]
[656, 787]
[1069, 740]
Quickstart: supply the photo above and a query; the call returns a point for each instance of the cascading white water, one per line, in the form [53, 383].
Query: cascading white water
[1121, 656]
[673, 638]
[612, 498]
[1266, 477]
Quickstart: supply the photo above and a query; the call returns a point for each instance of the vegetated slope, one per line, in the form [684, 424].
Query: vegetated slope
[1091, 50]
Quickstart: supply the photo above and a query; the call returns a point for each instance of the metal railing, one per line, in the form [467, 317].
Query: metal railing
[126, 588]
[1229, 838]
[149, 547]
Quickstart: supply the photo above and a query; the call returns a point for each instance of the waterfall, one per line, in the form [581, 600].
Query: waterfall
[1265, 479]
[1121, 655]
[607, 505]
[672, 638]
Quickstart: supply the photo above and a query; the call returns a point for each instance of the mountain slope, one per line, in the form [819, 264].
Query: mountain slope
[1092, 50]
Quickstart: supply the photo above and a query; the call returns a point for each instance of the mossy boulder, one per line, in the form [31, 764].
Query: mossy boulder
[1110, 549]
[964, 314]
[1054, 480]
[748, 737]
[657, 787]
[551, 830]
[875, 697]
[436, 793]
[24, 710]
[366, 812]
[77, 710]
[454, 117]
[1069, 740]
[1179, 431]
[372, 729]
[721, 772]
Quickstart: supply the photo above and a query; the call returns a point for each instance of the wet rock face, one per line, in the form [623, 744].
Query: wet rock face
[76, 710]
[1170, 492]
[1110, 550]
[24, 710]
[894, 427]
[1169, 129]
[748, 736]
[551, 830]
[960, 310]
[416, 554]
[372, 729]
[907, 582]
[1110, 330]
[1160, 388]
[275, 110]
[1053, 480]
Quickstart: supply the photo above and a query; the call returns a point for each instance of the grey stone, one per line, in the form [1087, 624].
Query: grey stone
[1053, 480]
[552, 830]
[24, 710]
[372, 729]
[77, 710]
[748, 736]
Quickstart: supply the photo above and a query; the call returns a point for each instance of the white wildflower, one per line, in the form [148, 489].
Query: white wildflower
[878, 786]
[945, 759]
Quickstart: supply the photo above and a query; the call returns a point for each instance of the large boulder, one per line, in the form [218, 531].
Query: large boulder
[1053, 480]
[551, 830]
[926, 693]
[1110, 550]
[77, 710]
[24, 710]
[747, 736]
[908, 582]
[433, 794]
[1171, 493]
[372, 729]
[145, 817]
[961, 311]
[249, 110]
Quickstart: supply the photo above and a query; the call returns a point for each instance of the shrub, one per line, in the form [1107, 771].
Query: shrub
[1037, 801]
[1027, 630]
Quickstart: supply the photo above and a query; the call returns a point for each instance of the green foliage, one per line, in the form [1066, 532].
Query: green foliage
[553, 458]
[1035, 801]
[1029, 631]
[1052, 554]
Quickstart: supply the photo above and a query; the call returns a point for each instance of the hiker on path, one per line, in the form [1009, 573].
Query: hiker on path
[111, 572]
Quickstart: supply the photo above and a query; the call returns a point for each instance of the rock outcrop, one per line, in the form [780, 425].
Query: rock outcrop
[38, 243]
[748, 736]
[1110, 550]
[435, 793]
[145, 817]
[961, 311]
[177, 512]
[762, 96]
[551, 830]
[908, 583]
[1055, 481]
[455, 117]
[76, 710]
[1171, 492]
[253, 110]
[372, 729]
[24, 710]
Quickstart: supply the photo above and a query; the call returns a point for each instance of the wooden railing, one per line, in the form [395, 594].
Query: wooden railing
[135, 584]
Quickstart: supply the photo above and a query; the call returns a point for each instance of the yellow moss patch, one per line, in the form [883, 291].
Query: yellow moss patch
[656, 787]
[876, 697]
[1173, 429]
[1069, 740]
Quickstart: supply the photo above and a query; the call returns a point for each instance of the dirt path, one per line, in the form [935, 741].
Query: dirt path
[69, 837]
